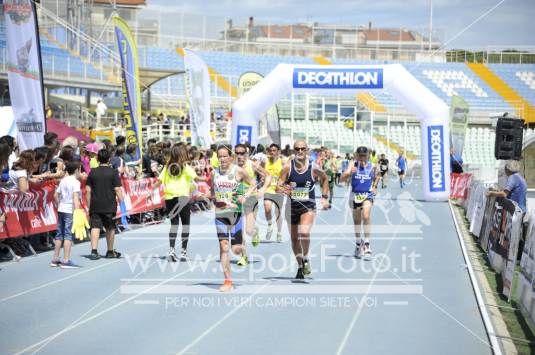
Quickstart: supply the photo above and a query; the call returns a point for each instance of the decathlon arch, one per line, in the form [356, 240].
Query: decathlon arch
[429, 108]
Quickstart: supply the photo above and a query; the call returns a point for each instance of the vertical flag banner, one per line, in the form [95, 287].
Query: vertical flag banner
[458, 123]
[130, 75]
[198, 95]
[246, 82]
[25, 72]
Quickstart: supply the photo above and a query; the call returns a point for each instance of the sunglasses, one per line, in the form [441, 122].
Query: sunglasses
[240, 153]
[300, 149]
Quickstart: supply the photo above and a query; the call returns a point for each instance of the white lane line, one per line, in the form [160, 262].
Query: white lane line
[67, 329]
[90, 310]
[343, 344]
[70, 277]
[228, 315]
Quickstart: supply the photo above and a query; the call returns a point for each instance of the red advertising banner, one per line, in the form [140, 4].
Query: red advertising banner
[459, 185]
[28, 213]
[34, 212]
[142, 195]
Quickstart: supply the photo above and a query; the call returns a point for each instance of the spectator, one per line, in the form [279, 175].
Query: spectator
[100, 111]
[515, 188]
[51, 140]
[102, 186]
[67, 198]
[21, 171]
[49, 112]
[117, 162]
[70, 141]
[12, 143]
[120, 141]
[92, 150]
[456, 162]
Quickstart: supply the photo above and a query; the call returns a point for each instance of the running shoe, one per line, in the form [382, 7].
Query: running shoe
[55, 263]
[269, 232]
[227, 286]
[113, 254]
[300, 274]
[94, 256]
[243, 261]
[256, 238]
[357, 250]
[69, 265]
[306, 267]
[279, 237]
[184, 255]
[172, 255]
[367, 251]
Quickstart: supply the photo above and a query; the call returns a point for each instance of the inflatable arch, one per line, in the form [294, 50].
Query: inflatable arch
[430, 109]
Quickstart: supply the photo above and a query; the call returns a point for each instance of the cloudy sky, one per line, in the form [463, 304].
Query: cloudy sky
[511, 23]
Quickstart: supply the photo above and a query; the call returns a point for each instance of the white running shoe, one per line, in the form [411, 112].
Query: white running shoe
[172, 255]
[357, 250]
[279, 237]
[184, 255]
[367, 251]
[269, 232]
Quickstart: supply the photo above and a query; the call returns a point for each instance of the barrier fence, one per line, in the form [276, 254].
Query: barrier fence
[34, 212]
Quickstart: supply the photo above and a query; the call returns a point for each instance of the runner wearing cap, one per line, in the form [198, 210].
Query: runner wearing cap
[364, 179]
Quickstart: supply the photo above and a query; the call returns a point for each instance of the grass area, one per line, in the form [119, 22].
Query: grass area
[519, 327]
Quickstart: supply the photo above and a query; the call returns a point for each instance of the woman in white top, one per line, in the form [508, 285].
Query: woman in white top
[20, 173]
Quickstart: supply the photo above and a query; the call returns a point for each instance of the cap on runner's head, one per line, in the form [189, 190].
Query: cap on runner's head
[362, 150]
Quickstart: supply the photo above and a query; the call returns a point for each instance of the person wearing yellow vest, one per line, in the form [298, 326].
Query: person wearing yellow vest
[178, 180]
[274, 166]
[214, 162]
[250, 206]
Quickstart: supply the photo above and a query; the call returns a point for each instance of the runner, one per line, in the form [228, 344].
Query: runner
[329, 167]
[401, 163]
[297, 180]
[364, 180]
[250, 206]
[383, 168]
[229, 197]
[274, 165]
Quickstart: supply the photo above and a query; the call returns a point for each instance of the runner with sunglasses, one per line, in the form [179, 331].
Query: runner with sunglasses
[364, 179]
[227, 192]
[250, 206]
[297, 180]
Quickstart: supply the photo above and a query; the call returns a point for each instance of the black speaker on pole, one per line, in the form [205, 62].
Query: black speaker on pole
[509, 133]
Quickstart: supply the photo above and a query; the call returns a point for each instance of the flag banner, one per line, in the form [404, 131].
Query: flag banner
[130, 79]
[458, 123]
[198, 94]
[24, 72]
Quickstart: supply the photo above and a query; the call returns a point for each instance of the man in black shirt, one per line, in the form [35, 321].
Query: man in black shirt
[102, 186]
[383, 169]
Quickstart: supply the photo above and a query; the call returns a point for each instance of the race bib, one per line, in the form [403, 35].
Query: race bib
[223, 195]
[384, 167]
[300, 194]
[274, 180]
[360, 197]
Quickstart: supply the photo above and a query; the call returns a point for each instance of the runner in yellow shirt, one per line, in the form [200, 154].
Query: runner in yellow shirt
[274, 166]
[250, 206]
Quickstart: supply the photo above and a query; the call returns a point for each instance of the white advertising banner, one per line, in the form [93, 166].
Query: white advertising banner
[198, 92]
[24, 72]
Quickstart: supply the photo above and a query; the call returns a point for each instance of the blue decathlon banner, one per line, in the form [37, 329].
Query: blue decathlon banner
[244, 134]
[435, 143]
[130, 76]
[337, 78]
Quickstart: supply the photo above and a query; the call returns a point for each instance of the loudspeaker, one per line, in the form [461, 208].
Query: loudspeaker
[508, 145]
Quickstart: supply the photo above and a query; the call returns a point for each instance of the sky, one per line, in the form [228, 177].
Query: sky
[510, 24]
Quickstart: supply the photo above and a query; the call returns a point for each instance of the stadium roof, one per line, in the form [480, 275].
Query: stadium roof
[149, 77]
